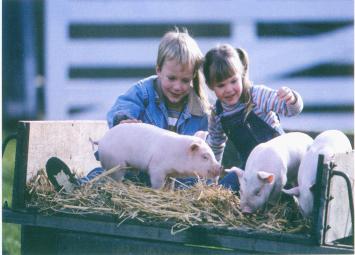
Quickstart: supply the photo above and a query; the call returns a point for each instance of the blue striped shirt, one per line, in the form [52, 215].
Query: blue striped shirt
[266, 105]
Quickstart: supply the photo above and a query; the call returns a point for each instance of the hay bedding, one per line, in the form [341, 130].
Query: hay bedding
[197, 205]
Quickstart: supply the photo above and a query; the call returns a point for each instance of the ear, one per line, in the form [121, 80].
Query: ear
[266, 177]
[292, 192]
[194, 147]
[201, 134]
[238, 171]
[157, 70]
[312, 188]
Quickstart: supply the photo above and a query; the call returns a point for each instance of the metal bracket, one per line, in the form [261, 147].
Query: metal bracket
[350, 193]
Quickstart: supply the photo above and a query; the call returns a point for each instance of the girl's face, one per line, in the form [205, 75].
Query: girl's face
[176, 80]
[230, 90]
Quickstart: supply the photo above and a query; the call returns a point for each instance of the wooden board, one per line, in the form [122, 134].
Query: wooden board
[339, 216]
[68, 140]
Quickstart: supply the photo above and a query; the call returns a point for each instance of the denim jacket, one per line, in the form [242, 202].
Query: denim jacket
[142, 102]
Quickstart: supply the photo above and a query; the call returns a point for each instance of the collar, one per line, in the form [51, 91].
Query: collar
[194, 104]
[222, 109]
[236, 107]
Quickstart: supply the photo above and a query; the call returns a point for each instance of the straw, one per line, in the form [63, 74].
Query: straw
[198, 205]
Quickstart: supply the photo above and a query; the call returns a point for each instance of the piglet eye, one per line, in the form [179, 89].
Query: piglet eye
[257, 192]
[205, 156]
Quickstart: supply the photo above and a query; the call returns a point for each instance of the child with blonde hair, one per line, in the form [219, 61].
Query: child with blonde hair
[171, 99]
[246, 114]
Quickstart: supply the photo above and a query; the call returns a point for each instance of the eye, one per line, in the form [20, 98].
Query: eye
[186, 81]
[257, 192]
[234, 81]
[220, 85]
[205, 156]
[171, 78]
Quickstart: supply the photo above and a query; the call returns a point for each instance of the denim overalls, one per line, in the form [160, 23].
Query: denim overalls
[245, 134]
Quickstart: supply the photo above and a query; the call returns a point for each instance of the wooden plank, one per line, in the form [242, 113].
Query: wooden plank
[339, 217]
[318, 122]
[126, 52]
[56, 16]
[68, 140]
[212, 10]
[240, 240]
[142, 51]
[318, 48]
[38, 240]
[21, 163]
[318, 91]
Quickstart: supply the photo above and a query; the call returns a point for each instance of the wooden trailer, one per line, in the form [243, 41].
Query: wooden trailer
[331, 231]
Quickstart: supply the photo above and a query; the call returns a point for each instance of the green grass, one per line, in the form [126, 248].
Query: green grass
[10, 232]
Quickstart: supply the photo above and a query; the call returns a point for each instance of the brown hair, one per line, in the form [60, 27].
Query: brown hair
[180, 46]
[224, 61]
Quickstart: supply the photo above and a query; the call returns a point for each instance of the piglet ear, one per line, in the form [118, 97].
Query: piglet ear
[238, 171]
[295, 191]
[266, 177]
[194, 147]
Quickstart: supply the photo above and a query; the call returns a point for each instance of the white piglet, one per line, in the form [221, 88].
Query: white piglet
[328, 143]
[158, 151]
[269, 166]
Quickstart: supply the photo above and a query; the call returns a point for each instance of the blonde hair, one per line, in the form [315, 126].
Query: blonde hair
[224, 61]
[181, 47]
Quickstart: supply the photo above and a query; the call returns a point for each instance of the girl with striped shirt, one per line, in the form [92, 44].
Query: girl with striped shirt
[244, 113]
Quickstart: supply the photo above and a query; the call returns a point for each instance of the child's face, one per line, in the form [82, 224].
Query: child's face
[229, 90]
[176, 80]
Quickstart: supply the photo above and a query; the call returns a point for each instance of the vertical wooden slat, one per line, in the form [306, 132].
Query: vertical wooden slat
[319, 201]
[18, 192]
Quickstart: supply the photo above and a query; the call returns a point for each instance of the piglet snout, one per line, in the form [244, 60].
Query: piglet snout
[245, 207]
[246, 210]
[216, 171]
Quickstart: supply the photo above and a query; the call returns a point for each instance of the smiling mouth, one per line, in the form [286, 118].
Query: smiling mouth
[229, 97]
[175, 95]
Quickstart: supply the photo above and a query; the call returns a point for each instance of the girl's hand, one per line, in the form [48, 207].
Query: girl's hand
[130, 121]
[285, 93]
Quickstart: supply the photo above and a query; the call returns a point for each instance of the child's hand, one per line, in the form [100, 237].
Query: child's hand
[285, 93]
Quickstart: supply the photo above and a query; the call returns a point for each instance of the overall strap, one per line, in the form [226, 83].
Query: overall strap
[246, 133]
[219, 108]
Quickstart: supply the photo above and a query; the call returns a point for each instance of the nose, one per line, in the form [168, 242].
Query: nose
[218, 170]
[246, 210]
[229, 88]
[214, 171]
[177, 86]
